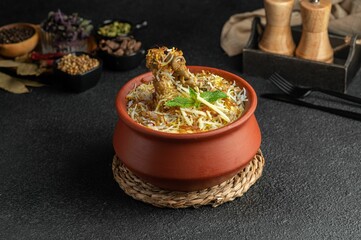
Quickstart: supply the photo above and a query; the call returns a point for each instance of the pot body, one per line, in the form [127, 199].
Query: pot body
[187, 162]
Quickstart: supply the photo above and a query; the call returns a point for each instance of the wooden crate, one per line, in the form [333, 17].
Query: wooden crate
[335, 76]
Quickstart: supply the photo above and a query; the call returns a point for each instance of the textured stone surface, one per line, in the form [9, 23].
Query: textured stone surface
[56, 148]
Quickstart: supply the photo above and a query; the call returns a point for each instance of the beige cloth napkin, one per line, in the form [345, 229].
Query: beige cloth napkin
[345, 19]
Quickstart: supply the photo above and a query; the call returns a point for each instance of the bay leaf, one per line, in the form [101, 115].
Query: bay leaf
[23, 58]
[12, 84]
[27, 69]
[31, 83]
[8, 63]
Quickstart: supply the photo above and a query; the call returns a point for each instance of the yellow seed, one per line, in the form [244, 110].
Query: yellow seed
[74, 65]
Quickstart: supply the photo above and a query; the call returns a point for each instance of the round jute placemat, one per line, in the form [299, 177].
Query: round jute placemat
[215, 196]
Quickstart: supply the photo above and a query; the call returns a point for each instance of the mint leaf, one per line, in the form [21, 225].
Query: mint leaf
[184, 102]
[193, 94]
[180, 102]
[213, 96]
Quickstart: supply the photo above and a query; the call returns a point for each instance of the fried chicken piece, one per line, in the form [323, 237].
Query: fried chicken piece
[164, 62]
[164, 88]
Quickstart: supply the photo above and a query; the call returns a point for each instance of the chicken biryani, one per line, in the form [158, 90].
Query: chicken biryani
[179, 101]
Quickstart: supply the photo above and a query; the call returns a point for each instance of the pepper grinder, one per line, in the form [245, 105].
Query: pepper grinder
[315, 43]
[277, 36]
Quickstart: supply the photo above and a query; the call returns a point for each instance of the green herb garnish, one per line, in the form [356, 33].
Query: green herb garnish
[186, 102]
[180, 102]
[213, 96]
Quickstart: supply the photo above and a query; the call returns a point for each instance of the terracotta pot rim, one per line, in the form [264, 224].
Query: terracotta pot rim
[123, 115]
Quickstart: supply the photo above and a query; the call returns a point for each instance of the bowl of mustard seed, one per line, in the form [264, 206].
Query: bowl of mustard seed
[78, 71]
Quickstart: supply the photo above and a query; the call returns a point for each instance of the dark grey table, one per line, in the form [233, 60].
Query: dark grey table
[56, 148]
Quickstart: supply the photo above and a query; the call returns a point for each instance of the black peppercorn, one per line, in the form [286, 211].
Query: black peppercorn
[15, 34]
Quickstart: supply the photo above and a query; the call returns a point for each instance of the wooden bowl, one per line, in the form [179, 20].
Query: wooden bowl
[17, 49]
[187, 162]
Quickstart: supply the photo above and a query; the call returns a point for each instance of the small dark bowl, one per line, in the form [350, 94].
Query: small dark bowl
[80, 82]
[133, 28]
[121, 63]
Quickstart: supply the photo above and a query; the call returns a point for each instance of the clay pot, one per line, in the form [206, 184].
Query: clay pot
[17, 49]
[187, 162]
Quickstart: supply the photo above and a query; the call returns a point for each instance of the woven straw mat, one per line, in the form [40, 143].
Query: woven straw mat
[214, 196]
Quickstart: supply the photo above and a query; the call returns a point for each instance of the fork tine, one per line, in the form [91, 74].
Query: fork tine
[280, 84]
[284, 81]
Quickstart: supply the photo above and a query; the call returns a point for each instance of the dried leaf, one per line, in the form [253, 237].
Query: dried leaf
[31, 83]
[8, 63]
[26, 69]
[12, 84]
[23, 58]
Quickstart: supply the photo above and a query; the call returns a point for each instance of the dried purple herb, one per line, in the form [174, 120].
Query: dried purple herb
[67, 27]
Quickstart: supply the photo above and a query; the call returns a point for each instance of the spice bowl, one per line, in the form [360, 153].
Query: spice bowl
[79, 82]
[65, 33]
[121, 63]
[121, 53]
[22, 47]
[192, 161]
[129, 29]
[50, 45]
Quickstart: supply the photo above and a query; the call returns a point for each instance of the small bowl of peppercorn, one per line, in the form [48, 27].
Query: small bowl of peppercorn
[121, 53]
[78, 71]
[18, 39]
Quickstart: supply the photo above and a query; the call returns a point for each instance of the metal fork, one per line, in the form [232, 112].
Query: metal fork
[300, 92]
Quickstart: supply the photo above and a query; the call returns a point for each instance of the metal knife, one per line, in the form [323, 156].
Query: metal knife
[295, 101]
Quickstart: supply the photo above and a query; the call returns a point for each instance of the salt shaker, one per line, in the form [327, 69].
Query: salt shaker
[315, 43]
[277, 36]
